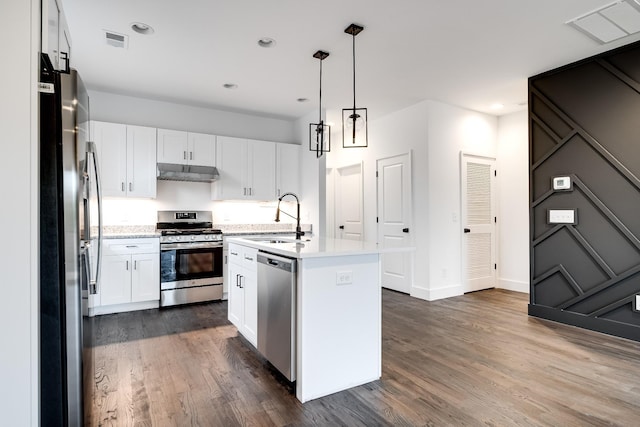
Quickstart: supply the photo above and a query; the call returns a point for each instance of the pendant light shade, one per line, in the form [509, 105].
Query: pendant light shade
[354, 120]
[320, 133]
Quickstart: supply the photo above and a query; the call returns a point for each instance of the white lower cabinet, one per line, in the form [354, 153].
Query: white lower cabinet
[242, 282]
[130, 275]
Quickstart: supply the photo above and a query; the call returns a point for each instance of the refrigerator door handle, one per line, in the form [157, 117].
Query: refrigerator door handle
[94, 284]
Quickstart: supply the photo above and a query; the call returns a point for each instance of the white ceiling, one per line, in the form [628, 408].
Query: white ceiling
[468, 53]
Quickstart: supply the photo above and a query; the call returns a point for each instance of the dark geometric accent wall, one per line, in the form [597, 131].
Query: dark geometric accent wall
[584, 123]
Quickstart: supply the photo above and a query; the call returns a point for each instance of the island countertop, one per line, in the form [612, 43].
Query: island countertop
[315, 247]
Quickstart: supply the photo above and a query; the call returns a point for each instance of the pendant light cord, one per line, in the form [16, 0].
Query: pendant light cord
[354, 74]
[320, 106]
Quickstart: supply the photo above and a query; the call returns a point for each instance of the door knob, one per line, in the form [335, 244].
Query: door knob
[466, 230]
[405, 230]
[341, 227]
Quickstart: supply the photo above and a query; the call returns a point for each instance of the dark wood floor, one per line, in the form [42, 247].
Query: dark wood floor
[476, 359]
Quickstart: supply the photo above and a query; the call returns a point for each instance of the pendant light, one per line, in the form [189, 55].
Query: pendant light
[319, 133]
[354, 120]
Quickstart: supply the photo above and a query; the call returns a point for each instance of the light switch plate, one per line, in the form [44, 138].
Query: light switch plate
[562, 183]
[562, 216]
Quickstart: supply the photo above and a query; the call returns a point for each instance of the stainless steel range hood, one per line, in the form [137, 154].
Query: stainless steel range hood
[173, 172]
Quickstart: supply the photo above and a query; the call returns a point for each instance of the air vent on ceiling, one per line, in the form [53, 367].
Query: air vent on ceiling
[115, 39]
[611, 22]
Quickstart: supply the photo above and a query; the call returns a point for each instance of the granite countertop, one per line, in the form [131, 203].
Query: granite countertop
[129, 231]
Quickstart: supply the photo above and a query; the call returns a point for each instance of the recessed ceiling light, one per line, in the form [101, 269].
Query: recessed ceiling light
[497, 106]
[141, 28]
[266, 42]
[230, 86]
[302, 99]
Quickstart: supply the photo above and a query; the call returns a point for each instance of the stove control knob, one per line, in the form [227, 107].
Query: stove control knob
[207, 237]
[193, 237]
[177, 238]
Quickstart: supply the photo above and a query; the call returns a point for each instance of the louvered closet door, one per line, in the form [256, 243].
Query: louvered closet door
[478, 221]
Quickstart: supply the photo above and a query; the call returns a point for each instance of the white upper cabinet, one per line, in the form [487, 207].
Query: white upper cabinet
[247, 169]
[127, 159]
[202, 149]
[141, 162]
[261, 177]
[287, 169]
[172, 146]
[111, 142]
[231, 156]
[186, 148]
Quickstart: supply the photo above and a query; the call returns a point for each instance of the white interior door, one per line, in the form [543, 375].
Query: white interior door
[349, 203]
[478, 219]
[395, 220]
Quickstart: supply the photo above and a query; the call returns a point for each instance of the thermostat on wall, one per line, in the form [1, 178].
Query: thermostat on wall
[562, 183]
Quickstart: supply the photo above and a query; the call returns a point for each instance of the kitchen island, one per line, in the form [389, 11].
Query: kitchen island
[338, 310]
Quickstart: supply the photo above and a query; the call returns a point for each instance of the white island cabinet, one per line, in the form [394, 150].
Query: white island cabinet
[338, 311]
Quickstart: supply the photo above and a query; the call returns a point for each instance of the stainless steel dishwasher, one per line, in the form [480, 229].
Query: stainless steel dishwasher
[277, 312]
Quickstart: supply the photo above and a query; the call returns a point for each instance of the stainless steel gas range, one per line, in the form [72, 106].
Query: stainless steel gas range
[191, 261]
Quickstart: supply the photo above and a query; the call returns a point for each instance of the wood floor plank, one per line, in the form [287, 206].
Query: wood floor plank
[476, 359]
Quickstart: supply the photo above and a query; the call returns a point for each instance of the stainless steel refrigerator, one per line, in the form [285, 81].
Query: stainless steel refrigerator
[70, 246]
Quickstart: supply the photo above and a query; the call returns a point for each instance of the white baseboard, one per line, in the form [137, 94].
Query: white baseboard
[436, 294]
[513, 285]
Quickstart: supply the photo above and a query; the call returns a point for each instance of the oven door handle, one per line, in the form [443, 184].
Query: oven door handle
[199, 245]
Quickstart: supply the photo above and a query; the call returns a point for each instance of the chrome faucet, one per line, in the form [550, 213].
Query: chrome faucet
[299, 232]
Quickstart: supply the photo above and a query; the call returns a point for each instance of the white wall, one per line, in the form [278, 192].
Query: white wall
[513, 204]
[452, 130]
[312, 178]
[19, 35]
[109, 107]
[435, 133]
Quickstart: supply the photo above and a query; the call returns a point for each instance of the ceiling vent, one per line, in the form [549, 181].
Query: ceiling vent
[116, 39]
[611, 22]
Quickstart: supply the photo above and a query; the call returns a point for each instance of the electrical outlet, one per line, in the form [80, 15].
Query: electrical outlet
[344, 277]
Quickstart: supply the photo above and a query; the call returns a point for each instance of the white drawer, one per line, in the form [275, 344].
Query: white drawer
[250, 258]
[131, 246]
[235, 254]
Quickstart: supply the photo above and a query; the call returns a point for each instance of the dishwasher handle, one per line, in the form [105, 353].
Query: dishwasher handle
[277, 261]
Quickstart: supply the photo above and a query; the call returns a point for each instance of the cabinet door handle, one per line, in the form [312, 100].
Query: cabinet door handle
[234, 253]
[245, 191]
[184, 155]
[225, 259]
[131, 186]
[341, 227]
[127, 265]
[237, 280]
[241, 282]
[123, 186]
[132, 246]
[248, 258]
[466, 230]
[405, 230]
[190, 155]
[135, 265]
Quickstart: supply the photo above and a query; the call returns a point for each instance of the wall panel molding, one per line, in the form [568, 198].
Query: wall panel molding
[583, 124]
